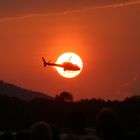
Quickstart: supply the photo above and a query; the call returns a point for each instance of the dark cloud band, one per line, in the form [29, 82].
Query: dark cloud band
[16, 8]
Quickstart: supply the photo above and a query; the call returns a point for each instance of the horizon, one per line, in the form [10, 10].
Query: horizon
[53, 97]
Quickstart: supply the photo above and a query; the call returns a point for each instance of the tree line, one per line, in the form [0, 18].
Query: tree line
[18, 114]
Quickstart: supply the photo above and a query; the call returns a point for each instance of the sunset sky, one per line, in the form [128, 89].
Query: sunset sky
[104, 33]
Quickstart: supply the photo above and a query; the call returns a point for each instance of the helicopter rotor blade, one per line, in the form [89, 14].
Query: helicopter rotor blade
[69, 58]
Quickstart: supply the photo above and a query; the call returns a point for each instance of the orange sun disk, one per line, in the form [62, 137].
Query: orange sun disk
[69, 57]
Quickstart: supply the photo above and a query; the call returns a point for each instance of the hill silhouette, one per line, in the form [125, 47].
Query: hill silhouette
[17, 112]
[21, 93]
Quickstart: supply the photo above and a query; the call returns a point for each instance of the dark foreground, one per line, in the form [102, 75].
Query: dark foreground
[43, 119]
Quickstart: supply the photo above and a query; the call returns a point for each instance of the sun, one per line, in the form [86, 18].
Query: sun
[69, 57]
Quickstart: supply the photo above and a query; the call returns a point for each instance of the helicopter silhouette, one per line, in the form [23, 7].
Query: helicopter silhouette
[67, 66]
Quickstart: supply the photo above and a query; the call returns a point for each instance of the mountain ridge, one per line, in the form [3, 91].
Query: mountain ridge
[12, 90]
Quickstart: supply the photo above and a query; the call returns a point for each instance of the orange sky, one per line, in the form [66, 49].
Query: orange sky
[107, 39]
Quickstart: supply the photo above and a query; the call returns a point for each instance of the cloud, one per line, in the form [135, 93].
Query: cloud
[130, 88]
[23, 8]
[133, 85]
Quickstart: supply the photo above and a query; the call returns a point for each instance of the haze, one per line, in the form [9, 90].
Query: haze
[104, 34]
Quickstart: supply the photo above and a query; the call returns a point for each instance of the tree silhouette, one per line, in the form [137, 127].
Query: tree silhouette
[64, 97]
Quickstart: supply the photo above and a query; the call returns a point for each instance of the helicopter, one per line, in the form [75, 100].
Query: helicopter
[67, 66]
